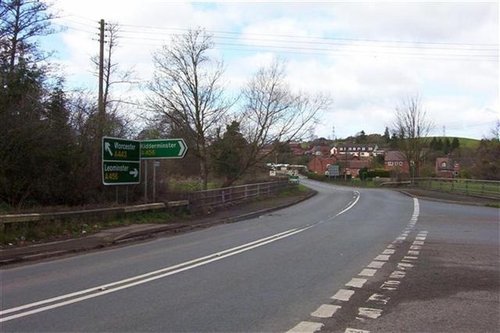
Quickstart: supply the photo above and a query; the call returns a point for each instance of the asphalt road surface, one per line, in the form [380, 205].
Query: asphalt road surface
[347, 260]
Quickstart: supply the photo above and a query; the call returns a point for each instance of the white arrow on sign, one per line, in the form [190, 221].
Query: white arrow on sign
[107, 147]
[183, 147]
[134, 173]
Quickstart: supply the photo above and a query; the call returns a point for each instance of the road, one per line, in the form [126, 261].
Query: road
[282, 271]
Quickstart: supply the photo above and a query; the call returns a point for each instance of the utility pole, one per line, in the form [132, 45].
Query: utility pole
[100, 101]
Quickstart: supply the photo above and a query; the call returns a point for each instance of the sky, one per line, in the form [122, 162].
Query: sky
[368, 56]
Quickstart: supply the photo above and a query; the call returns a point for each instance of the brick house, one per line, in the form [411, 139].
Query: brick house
[446, 167]
[319, 164]
[395, 160]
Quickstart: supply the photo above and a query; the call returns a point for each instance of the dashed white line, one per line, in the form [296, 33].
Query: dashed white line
[343, 295]
[355, 330]
[368, 272]
[306, 327]
[369, 313]
[413, 253]
[389, 251]
[418, 242]
[376, 264]
[390, 285]
[356, 283]
[397, 275]
[325, 311]
[416, 247]
[379, 298]
[382, 257]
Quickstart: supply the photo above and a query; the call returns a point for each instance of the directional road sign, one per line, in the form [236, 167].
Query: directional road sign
[163, 149]
[121, 161]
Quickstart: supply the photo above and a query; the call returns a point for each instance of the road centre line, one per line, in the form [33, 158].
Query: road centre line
[306, 327]
[325, 311]
[343, 295]
[356, 283]
[356, 197]
[141, 279]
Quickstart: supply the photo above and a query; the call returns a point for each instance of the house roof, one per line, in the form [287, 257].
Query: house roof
[394, 155]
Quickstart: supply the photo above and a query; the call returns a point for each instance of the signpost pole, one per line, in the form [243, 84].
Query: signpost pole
[145, 181]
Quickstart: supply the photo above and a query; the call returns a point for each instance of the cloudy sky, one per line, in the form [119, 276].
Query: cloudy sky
[368, 56]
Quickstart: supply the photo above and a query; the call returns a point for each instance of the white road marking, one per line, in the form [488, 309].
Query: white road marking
[389, 251]
[379, 298]
[383, 257]
[369, 313]
[356, 197]
[368, 272]
[140, 279]
[397, 275]
[416, 247]
[390, 285]
[410, 257]
[403, 265]
[418, 242]
[356, 283]
[401, 238]
[376, 264]
[420, 238]
[306, 327]
[325, 311]
[355, 330]
[390, 246]
[413, 253]
[343, 295]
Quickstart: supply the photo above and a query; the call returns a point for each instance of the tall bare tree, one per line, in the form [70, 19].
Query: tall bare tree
[187, 90]
[273, 113]
[412, 128]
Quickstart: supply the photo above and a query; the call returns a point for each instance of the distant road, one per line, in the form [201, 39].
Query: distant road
[265, 274]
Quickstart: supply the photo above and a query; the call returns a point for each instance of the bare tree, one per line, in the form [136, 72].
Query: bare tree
[186, 90]
[22, 22]
[412, 128]
[273, 113]
[113, 76]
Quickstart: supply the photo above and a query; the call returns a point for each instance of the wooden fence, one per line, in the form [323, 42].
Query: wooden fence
[480, 188]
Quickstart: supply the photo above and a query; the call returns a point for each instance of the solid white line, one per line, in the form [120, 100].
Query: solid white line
[306, 327]
[357, 196]
[126, 283]
[343, 295]
[356, 283]
[325, 311]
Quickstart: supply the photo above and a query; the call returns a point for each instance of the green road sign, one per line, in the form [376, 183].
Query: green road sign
[121, 161]
[121, 173]
[114, 149]
[163, 149]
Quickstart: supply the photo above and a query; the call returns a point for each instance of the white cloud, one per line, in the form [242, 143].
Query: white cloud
[366, 67]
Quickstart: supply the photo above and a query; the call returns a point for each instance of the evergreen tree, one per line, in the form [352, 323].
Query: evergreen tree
[227, 153]
[455, 144]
